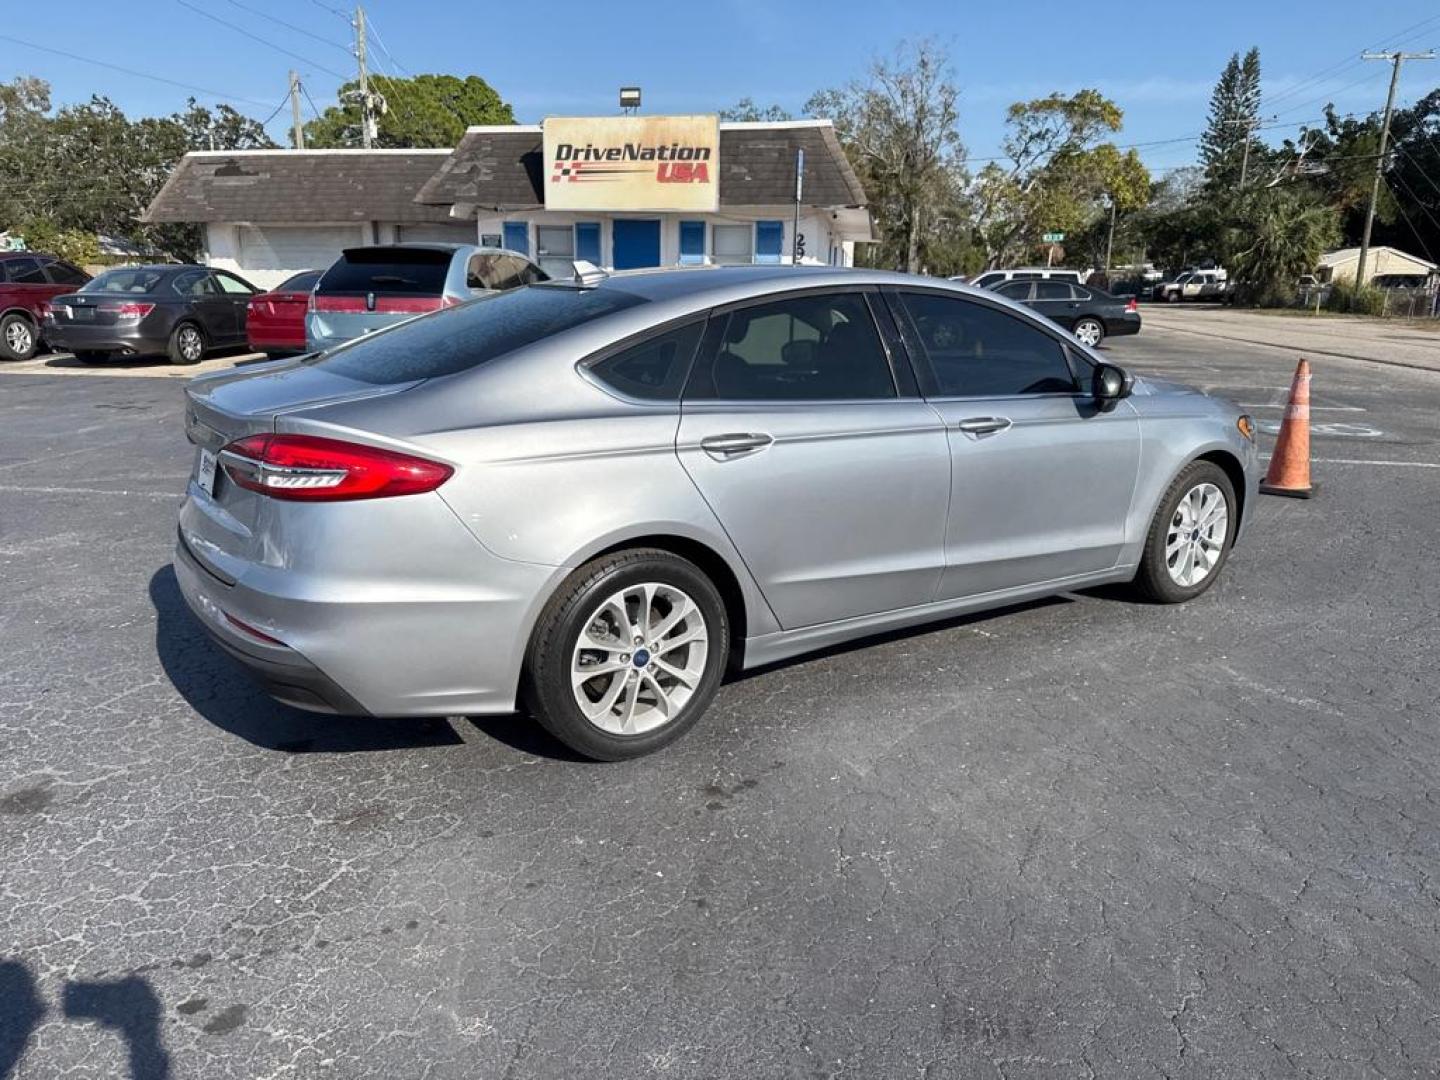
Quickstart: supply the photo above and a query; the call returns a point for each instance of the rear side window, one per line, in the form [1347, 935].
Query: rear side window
[805, 348]
[460, 338]
[62, 273]
[979, 351]
[495, 270]
[1052, 290]
[388, 272]
[654, 369]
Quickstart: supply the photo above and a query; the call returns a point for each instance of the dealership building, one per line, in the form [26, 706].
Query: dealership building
[621, 192]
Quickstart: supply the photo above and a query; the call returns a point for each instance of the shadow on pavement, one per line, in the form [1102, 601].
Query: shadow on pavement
[219, 690]
[21, 1011]
[131, 1008]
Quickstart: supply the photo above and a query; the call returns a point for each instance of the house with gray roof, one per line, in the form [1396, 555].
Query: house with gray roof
[270, 213]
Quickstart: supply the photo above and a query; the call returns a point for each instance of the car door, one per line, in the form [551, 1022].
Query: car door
[203, 303]
[237, 294]
[1056, 301]
[802, 429]
[1042, 477]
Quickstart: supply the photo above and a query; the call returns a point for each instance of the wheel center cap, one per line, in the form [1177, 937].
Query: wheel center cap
[640, 658]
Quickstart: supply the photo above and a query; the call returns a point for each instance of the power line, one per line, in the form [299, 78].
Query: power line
[1401, 207]
[333, 10]
[292, 27]
[395, 64]
[261, 40]
[1411, 192]
[1418, 168]
[131, 71]
[1352, 61]
[306, 91]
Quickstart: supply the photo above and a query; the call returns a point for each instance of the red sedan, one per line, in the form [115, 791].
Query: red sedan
[275, 321]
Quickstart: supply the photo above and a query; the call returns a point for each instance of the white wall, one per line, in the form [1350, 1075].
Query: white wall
[821, 243]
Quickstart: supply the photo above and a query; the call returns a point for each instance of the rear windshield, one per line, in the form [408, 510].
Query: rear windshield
[467, 336]
[388, 271]
[301, 282]
[128, 280]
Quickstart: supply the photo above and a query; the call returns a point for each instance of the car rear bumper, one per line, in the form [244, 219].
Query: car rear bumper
[1128, 324]
[417, 632]
[128, 340]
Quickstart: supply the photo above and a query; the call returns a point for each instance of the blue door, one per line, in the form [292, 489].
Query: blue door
[637, 243]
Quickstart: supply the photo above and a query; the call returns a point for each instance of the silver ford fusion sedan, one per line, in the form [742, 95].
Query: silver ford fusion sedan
[594, 496]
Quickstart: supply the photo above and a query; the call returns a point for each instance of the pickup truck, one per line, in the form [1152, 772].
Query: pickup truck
[1194, 285]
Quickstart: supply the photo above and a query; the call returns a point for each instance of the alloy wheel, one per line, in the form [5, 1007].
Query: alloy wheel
[639, 658]
[1089, 333]
[191, 343]
[19, 337]
[1196, 535]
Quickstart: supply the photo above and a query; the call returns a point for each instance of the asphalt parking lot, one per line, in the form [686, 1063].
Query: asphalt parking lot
[1086, 837]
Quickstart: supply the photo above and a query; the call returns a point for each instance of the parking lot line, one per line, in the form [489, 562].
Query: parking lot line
[26, 489]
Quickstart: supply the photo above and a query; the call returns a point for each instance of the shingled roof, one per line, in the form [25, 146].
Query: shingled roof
[501, 167]
[288, 186]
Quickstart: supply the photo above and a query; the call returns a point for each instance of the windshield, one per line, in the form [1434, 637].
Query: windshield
[388, 271]
[131, 279]
[467, 336]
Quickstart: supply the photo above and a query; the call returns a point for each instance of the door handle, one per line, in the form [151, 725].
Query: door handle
[983, 425]
[725, 447]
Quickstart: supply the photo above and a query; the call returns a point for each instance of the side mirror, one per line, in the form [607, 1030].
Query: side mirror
[1110, 384]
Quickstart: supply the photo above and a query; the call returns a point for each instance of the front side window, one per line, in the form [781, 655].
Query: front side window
[734, 244]
[654, 369]
[231, 284]
[978, 351]
[193, 283]
[25, 272]
[806, 348]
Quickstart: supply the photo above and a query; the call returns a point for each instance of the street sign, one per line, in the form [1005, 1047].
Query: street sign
[1054, 237]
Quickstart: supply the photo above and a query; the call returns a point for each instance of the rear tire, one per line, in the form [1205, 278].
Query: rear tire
[18, 337]
[657, 636]
[187, 344]
[1090, 332]
[1195, 521]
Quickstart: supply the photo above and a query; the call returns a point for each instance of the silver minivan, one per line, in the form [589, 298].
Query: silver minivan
[371, 288]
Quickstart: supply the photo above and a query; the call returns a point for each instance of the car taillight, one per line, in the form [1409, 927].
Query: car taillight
[307, 468]
[337, 303]
[408, 305]
[128, 312]
[1133, 305]
[262, 307]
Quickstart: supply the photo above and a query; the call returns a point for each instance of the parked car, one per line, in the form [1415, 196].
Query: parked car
[1089, 313]
[991, 278]
[1193, 285]
[177, 311]
[591, 495]
[28, 282]
[370, 288]
[275, 320]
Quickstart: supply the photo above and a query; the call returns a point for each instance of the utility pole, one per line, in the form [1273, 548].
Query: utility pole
[1249, 123]
[371, 105]
[295, 110]
[1110, 243]
[1397, 58]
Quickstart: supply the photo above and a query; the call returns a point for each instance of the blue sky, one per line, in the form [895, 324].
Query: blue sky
[1157, 60]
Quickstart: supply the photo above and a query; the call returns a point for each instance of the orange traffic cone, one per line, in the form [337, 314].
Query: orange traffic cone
[1290, 464]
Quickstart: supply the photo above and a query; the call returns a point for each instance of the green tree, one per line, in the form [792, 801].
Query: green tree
[428, 110]
[899, 127]
[1057, 174]
[747, 111]
[1234, 114]
[1285, 233]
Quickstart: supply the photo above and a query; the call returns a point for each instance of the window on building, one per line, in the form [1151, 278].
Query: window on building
[587, 242]
[492, 239]
[555, 249]
[733, 244]
[655, 369]
[769, 241]
[517, 237]
[692, 243]
[975, 350]
[806, 348]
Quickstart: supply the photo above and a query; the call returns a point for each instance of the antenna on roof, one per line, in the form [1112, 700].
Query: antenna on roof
[587, 274]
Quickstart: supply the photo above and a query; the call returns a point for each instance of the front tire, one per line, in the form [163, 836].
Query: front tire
[1090, 332]
[187, 344]
[18, 337]
[627, 654]
[1190, 537]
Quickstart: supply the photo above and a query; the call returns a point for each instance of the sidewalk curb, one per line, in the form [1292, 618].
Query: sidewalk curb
[1293, 351]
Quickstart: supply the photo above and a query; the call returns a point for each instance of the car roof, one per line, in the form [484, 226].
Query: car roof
[671, 283]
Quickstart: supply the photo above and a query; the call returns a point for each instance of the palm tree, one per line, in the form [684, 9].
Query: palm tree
[1282, 237]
